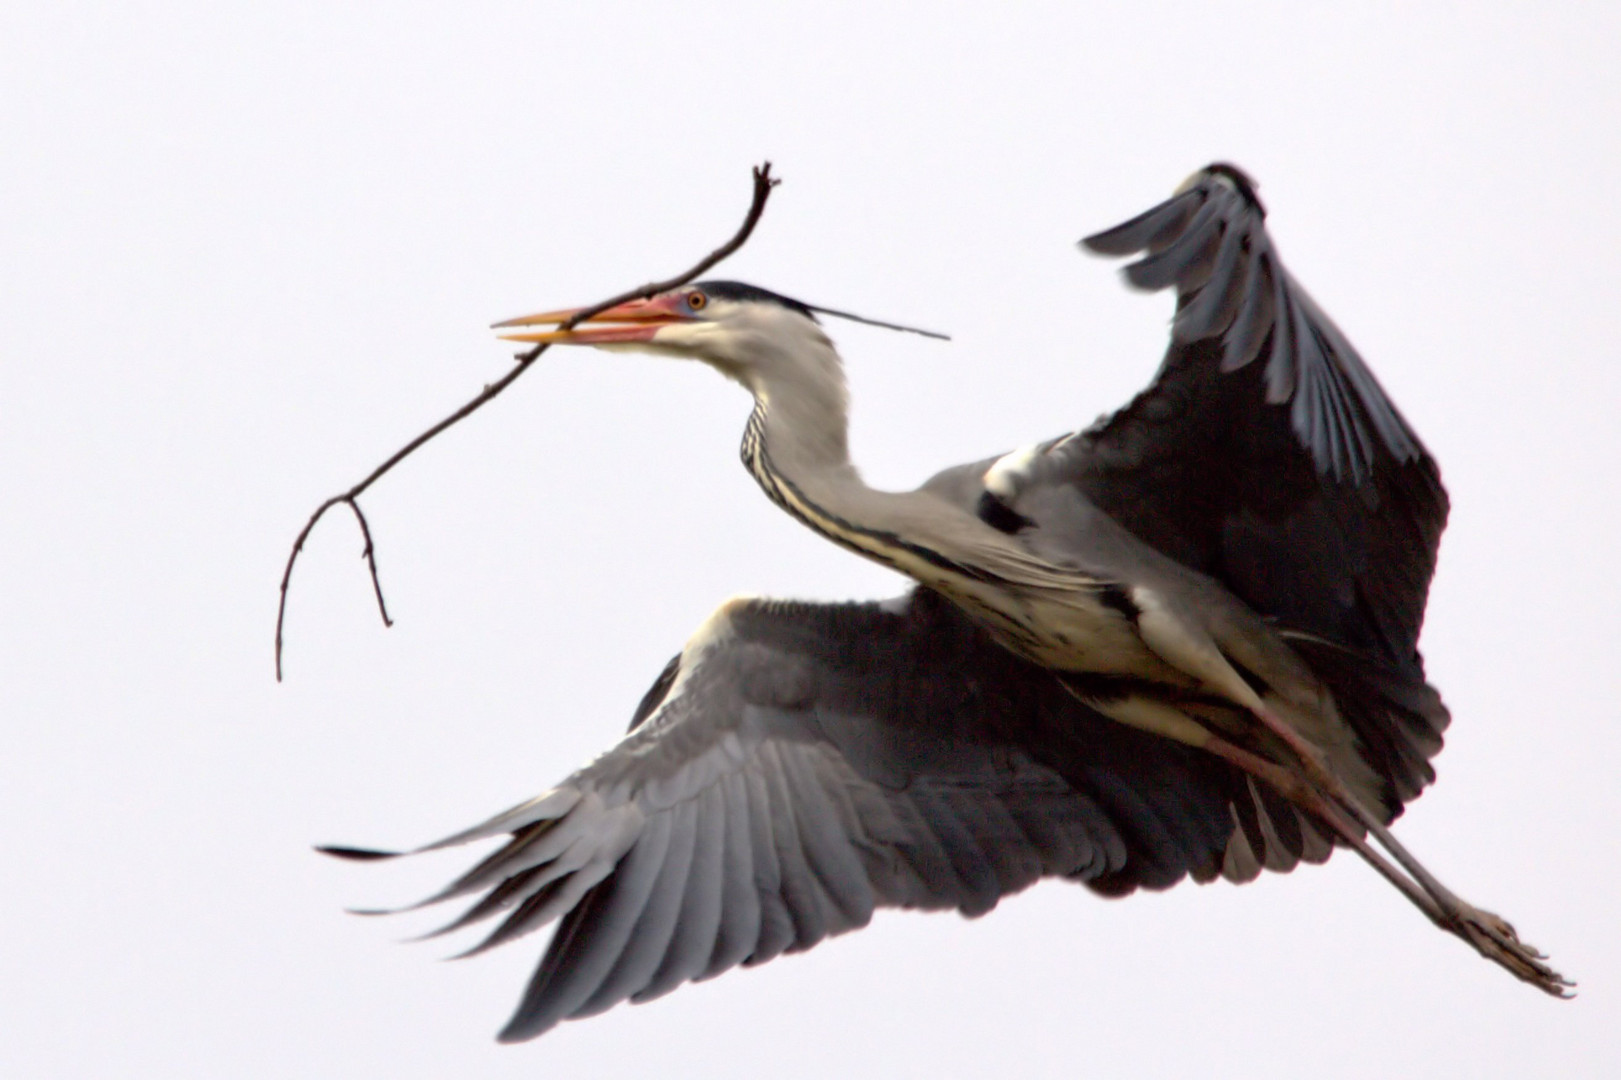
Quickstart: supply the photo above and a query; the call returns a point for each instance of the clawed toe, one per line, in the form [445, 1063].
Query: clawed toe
[1495, 939]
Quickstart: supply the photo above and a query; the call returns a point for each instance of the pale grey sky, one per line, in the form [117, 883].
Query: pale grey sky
[247, 251]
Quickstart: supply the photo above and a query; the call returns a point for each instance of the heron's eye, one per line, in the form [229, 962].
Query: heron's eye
[696, 300]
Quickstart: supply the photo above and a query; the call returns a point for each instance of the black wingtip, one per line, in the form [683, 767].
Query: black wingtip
[355, 854]
[520, 1029]
[1144, 230]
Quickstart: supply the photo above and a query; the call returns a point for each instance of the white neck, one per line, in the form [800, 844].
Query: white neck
[797, 448]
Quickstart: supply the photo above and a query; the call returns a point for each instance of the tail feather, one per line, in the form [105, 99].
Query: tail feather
[1397, 717]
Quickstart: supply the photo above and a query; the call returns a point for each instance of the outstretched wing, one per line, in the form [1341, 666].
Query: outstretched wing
[799, 765]
[1265, 455]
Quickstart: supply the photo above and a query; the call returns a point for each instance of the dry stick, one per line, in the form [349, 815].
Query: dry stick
[763, 183]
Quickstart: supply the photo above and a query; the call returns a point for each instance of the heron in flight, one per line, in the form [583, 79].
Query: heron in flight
[1179, 643]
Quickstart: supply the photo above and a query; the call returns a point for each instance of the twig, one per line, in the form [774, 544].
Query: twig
[763, 183]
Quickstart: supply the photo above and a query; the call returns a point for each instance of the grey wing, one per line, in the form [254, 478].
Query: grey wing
[800, 765]
[1210, 242]
[1265, 455]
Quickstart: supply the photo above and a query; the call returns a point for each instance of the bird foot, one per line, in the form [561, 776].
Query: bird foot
[1494, 938]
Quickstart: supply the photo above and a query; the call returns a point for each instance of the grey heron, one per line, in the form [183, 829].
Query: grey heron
[1179, 643]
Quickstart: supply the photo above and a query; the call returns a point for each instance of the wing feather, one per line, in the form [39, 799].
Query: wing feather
[776, 922]
[697, 926]
[650, 934]
[809, 906]
[825, 836]
[740, 922]
[586, 958]
[1254, 320]
[1149, 229]
[1187, 258]
[1214, 309]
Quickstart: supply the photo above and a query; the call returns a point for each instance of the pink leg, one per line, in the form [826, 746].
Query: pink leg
[1491, 935]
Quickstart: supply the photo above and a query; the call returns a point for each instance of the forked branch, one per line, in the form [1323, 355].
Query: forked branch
[763, 183]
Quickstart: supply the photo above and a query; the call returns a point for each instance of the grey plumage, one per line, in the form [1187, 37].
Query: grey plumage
[1180, 643]
[898, 782]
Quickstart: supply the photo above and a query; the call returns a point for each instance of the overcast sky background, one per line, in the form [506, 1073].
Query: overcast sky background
[246, 251]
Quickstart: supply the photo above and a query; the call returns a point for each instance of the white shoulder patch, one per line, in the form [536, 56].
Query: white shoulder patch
[712, 632]
[714, 629]
[1008, 473]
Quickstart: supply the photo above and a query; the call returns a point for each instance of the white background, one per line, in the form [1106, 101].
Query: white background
[246, 251]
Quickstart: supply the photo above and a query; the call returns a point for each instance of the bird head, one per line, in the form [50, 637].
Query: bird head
[740, 330]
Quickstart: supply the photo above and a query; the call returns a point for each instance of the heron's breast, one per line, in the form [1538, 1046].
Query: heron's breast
[1065, 630]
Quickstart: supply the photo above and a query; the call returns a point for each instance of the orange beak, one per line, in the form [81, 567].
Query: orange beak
[635, 320]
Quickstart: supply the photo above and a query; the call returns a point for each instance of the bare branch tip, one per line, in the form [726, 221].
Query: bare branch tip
[763, 183]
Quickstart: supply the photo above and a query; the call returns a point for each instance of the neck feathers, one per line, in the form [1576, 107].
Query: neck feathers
[801, 400]
[796, 448]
